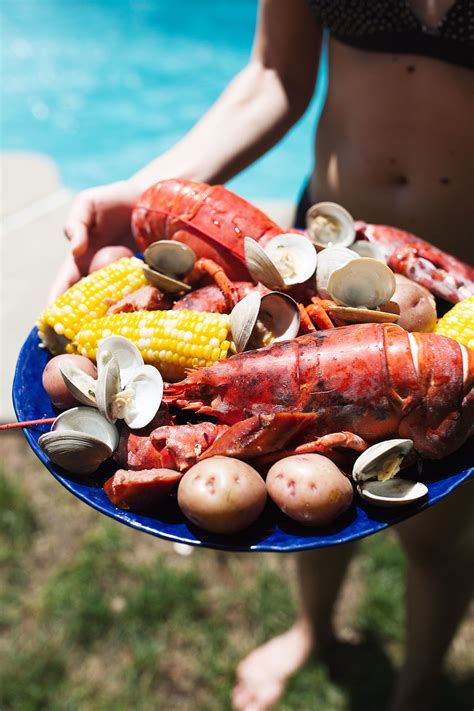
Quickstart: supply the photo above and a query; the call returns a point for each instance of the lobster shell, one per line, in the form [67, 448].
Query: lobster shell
[211, 220]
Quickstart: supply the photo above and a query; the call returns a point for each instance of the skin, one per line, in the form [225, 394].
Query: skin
[395, 146]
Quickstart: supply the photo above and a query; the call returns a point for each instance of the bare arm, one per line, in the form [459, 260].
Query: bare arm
[258, 107]
[253, 113]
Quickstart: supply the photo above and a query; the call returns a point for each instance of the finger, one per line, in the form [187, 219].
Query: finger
[80, 221]
[67, 276]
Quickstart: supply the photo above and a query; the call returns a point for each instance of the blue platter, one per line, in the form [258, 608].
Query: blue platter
[272, 532]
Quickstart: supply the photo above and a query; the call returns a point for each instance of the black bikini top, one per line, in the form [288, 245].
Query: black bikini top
[393, 26]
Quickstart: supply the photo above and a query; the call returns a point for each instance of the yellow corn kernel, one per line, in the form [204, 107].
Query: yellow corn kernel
[172, 353]
[87, 300]
[458, 323]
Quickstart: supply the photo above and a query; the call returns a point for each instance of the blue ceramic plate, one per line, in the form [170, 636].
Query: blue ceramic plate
[272, 532]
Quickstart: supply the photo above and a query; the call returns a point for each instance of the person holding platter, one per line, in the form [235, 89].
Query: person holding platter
[395, 146]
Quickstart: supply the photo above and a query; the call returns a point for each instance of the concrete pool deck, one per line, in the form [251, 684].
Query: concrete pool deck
[34, 206]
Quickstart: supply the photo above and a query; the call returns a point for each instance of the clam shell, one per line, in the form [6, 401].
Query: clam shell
[284, 314]
[243, 318]
[330, 224]
[108, 386]
[77, 452]
[85, 420]
[397, 492]
[124, 351]
[262, 320]
[369, 249]
[170, 257]
[362, 282]
[350, 314]
[260, 265]
[294, 256]
[79, 383]
[168, 284]
[146, 387]
[329, 260]
[382, 460]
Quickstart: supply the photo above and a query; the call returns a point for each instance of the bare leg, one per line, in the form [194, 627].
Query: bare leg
[262, 676]
[440, 547]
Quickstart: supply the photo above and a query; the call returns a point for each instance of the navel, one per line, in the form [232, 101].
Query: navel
[400, 180]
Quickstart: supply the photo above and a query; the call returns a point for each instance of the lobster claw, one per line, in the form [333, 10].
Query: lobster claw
[441, 273]
[260, 434]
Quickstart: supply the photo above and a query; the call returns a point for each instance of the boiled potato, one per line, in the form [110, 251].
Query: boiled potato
[309, 488]
[107, 255]
[222, 494]
[417, 305]
[53, 381]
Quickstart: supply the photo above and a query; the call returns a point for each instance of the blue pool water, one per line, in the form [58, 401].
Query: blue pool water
[103, 86]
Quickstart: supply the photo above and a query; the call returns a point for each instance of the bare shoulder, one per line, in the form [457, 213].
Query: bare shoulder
[288, 39]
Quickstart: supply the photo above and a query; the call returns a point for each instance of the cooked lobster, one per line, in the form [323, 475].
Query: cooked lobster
[346, 387]
[213, 221]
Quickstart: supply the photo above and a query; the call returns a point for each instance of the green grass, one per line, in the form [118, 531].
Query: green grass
[17, 527]
[122, 622]
[383, 572]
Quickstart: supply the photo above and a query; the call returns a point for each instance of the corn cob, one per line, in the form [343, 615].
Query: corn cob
[458, 323]
[87, 300]
[170, 340]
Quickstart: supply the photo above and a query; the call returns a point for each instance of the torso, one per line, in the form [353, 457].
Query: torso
[395, 144]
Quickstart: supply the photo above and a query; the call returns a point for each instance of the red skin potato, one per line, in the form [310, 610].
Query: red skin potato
[309, 488]
[222, 495]
[140, 491]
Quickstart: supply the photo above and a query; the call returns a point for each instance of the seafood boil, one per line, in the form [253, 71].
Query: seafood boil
[275, 348]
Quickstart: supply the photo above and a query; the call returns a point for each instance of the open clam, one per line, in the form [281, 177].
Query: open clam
[329, 260]
[257, 321]
[166, 262]
[330, 225]
[359, 288]
[286, 260]
[80, 440]
[375, 470]
[125, 388]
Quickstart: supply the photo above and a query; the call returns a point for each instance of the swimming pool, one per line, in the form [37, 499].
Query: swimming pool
[102, 86]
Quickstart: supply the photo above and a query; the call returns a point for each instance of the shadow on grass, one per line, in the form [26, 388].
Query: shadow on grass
[361, 677]
[363, 670]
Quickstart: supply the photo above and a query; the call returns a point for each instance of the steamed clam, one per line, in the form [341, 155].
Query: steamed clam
[375, 472]
[166, 262]
[257, 320]
[359, 288]
[80, 440]
[125, 388]
[330, 225]
[329, 260]
[286, 260]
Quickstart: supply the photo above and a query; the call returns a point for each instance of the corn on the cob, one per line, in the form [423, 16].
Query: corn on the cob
[458, 323]
[87, 300]
[170, 340]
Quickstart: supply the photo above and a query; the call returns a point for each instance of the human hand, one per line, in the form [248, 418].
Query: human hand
[99, 217]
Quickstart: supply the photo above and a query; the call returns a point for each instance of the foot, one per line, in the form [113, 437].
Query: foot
[262, 676]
